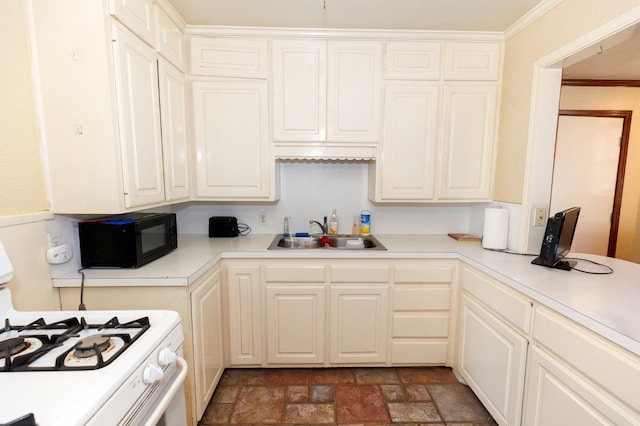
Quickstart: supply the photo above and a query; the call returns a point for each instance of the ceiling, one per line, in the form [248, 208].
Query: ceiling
[618, 59]
[440, 15]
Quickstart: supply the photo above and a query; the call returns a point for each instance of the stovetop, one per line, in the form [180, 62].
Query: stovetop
[60, 389]
[69, 344]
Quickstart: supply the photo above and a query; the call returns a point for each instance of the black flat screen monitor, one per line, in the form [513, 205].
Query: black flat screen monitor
[557, 240]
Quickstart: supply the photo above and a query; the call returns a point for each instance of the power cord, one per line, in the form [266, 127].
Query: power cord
[244, 229]
[607, 269]
[81, 307]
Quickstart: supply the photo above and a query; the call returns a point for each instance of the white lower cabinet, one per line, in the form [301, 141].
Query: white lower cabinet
[206, 319]
[358, 331]
[245, 318]
[491, 358]
[493, 326]
[295, 324]
[577, 378]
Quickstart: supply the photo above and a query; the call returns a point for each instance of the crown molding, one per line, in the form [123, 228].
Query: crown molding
[533, 15]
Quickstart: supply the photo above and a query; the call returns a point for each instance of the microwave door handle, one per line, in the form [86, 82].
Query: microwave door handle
[176, 386]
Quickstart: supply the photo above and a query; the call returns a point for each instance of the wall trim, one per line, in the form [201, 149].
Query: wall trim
[22, 219]
[533, 15]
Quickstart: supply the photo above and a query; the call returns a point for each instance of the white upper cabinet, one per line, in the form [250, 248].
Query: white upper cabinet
[137, 15]
[327, 98]
[413, 60]
[231, 140]
[353, 91]
[468, 134]
[300, 90]
[101, 94]
[139, 118]
[405, 170]
[169, 39]
[472, 61]
[229, 57]
[175, 144]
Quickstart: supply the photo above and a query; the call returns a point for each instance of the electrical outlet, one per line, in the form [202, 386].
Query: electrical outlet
[54, 239]
[540, 217]
[262, 218]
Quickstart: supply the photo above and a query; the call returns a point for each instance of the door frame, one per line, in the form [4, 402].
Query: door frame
[622, 162]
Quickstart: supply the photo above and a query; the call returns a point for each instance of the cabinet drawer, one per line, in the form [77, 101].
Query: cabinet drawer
[419, 60]
[420, 325]
[362, 274]
[419, 352]
[229, 58]
[295, 274]
[599, 360]
[472, 61]
[421, 298]
[504, 302]
[422, 274]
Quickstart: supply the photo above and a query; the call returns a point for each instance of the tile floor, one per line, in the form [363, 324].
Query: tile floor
[429, 395]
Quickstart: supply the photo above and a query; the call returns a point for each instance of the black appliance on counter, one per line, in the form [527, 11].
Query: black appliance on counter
[128, 240]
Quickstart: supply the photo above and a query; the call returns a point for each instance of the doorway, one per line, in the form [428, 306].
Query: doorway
[589, 164]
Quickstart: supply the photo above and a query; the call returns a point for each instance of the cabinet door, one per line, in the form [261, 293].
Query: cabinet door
[245, 319]
[206, 321]
[491, 358]
[174, 132]
[232, 141]
[359, 317]
[557, 395]
[170, 39]
[467, 142]
[407, 155]
[299, 90]
[139, 118]
[137, 15]
[354, 91]
[295, 324]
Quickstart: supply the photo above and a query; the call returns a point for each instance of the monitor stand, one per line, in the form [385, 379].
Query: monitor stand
[565, 265]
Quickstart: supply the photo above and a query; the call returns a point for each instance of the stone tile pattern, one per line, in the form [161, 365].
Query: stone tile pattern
[345, 396]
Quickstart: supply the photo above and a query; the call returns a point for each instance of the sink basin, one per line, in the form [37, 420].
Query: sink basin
[340, 242]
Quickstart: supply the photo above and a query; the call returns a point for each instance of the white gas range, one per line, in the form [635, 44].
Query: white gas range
[89, 367]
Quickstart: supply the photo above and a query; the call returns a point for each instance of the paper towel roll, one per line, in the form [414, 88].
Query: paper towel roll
[496, 228]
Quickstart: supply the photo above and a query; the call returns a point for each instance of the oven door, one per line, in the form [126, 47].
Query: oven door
[150, 404]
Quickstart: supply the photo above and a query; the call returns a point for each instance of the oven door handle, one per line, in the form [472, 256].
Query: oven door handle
[169, 394]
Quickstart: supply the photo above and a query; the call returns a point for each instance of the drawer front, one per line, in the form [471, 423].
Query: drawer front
[295, 274]
[417, 60]
[421, 298]
[360, 274]
[420, 325]
[423, 352]
[599, 360]
[507, 304]
[472, 61]
[229, 57]
[423, 275]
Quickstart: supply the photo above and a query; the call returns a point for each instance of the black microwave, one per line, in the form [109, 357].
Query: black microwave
[128, 240]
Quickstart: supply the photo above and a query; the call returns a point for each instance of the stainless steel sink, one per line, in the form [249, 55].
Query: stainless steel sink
[340, 242]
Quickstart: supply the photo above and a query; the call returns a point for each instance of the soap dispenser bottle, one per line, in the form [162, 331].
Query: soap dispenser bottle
[333, 223]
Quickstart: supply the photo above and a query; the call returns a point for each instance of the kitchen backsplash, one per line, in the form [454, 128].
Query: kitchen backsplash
[310, 190]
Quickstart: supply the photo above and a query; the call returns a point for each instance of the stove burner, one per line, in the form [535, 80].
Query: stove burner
[91, 345]
[12, 346]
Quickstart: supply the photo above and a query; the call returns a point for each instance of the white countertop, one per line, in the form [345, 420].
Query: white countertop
[606, 304]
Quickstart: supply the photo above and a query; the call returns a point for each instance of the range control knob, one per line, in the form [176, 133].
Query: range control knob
[151, 374]
[166, 357]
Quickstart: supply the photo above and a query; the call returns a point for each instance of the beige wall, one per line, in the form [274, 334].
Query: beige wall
[23, 195]
[22, 188]
[616, 98]
[569, 20]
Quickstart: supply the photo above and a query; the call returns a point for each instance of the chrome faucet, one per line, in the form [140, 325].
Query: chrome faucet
[325, 227]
